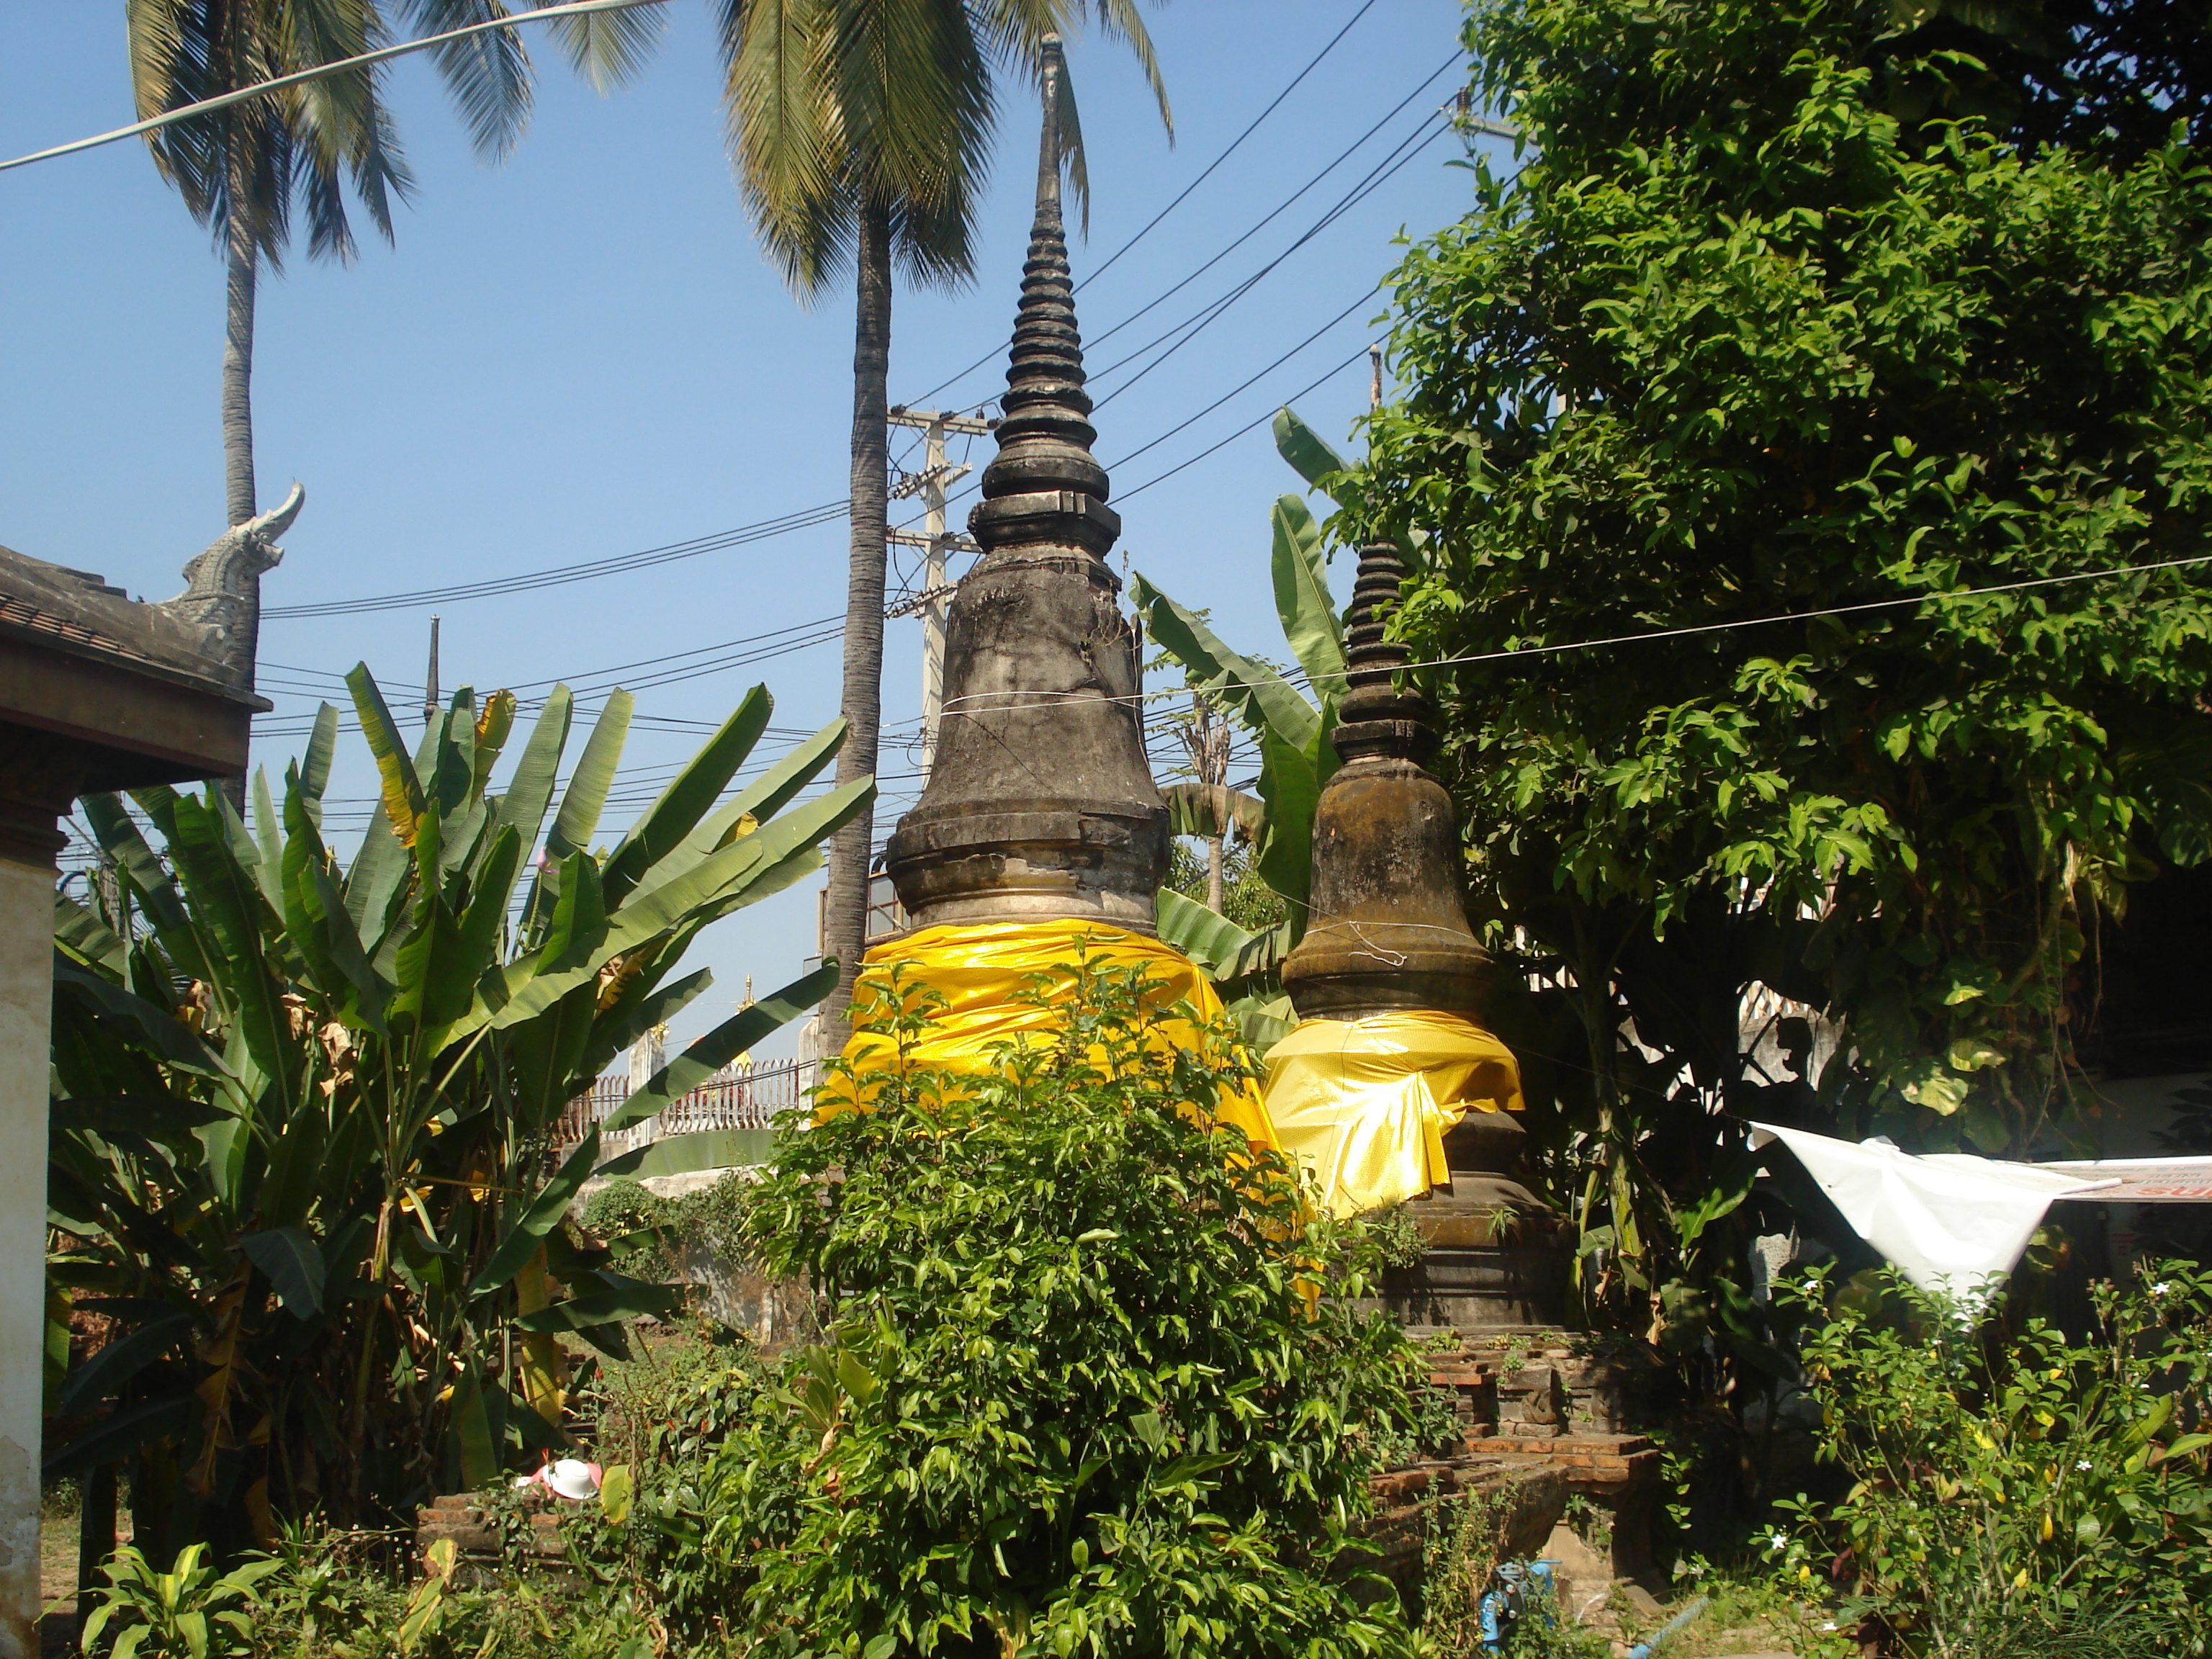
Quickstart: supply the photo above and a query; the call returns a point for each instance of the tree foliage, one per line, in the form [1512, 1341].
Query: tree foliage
[1086, 1389]
[1736, 344]
[2011, 1489]
[305, 1112]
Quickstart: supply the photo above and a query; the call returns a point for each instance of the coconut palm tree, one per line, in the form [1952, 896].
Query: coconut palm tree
[248, 172]
[861, 130]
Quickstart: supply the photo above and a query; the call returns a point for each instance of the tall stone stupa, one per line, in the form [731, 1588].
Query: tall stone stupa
[1039, 803]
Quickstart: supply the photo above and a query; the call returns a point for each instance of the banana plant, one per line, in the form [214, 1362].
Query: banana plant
[1292, 731]
[304, 1114]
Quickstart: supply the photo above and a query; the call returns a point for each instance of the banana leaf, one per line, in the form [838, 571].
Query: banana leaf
[689, 1154]
[1196, 809]
[1256, 697]
[1300, 570]
[335, 1082]
[1306, 450]
[709, 1053]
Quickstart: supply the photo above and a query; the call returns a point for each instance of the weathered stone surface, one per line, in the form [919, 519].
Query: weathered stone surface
[1389, 922]
[1532, 1497]
[1040, 803]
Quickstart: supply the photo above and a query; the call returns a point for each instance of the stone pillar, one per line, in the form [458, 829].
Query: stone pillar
[1388, 930]
[33, 792]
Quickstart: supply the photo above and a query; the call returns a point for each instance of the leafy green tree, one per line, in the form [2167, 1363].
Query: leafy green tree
[862, 131]
[306, 1113]
[1851, 412]
[1097, 1382]
[1246, 899]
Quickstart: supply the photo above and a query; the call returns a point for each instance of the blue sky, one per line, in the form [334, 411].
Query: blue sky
[581, 353]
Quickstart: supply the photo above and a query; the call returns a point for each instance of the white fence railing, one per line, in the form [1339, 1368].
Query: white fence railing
[736, 1097]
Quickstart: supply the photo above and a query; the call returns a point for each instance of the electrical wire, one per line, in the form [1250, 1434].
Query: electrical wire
[1273, 105]
[1399, 157]
[987, 357]
[339, 66]
[527, 582]
[1162, 477]
[1688, 630]
[1233, 391]
[1280, 208]
[828, 512]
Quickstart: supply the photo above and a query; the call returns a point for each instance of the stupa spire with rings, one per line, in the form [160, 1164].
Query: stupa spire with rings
[1040, 802]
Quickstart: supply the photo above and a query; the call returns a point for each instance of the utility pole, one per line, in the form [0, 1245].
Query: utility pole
[430, 681]
[930, 484]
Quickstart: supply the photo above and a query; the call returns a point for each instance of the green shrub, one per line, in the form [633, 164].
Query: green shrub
[633, 1223]
[190, 1611]
[2015, 1492]
[662, 1417]
[1096, 1380]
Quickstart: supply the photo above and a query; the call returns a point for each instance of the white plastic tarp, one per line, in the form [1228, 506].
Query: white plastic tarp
[1951, 1222]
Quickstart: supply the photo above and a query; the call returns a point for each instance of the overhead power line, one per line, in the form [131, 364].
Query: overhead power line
[829, 512]
[526, 581]
[1191, 327]
[1273, 104]
[1686, 631]
[1400, 155]
[186, 113]
[1281, 207]
[1162, 477]
[1357, 193]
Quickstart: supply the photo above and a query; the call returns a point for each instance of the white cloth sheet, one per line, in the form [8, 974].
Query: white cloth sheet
[1952, 1224]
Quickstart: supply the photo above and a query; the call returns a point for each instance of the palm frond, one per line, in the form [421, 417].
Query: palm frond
[1119, 19]
[787, 141]
[1072, 156]
[489, 75]
[914, 93]
[609, 48]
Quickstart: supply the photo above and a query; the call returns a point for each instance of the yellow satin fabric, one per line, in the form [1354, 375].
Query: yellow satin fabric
[981, 969]
[1363, 1105]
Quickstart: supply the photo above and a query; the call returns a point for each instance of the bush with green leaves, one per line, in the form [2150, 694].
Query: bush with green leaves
[631, 1221]
[1097, 1380]
[306, 1108]
[663, 1416]
[189, 1612]
[2012, 1489]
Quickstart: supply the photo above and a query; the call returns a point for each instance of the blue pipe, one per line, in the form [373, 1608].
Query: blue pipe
[1668, 1631]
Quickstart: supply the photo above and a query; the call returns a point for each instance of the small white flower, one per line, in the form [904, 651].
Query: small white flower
[2161, 1287]
[1828, 1625]
[1777, 1543]
[2085, 1465]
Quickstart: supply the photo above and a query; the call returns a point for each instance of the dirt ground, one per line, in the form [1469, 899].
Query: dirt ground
[58, 1535]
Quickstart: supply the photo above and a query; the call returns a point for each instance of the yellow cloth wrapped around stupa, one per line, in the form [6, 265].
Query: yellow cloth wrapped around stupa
[982, 969]
[1363, 1105]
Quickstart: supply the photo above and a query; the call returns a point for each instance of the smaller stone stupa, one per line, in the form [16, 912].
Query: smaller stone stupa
[1388, 935]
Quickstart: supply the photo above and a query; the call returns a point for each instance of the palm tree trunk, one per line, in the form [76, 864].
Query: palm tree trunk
[237, 376]
[845, 926]
[237, 407]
